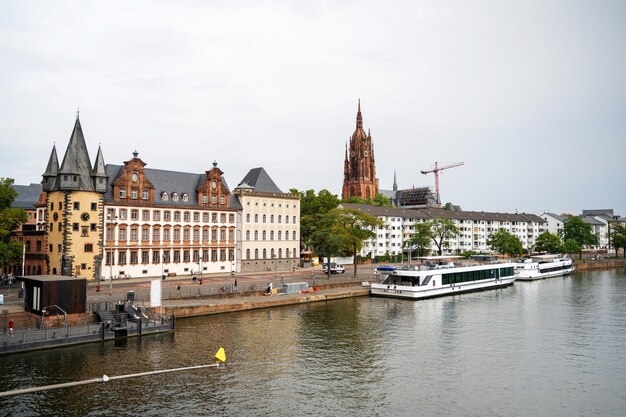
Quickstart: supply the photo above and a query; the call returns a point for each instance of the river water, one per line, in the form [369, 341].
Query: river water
[555, 347]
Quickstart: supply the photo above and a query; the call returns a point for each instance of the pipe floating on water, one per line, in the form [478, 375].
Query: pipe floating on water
[220, 356]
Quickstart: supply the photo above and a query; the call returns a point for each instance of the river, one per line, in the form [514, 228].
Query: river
[555, 347]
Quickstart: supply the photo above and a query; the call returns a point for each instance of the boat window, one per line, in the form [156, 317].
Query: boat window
[426, 279]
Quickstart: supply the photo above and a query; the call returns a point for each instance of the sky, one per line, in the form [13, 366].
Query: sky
[530, 95]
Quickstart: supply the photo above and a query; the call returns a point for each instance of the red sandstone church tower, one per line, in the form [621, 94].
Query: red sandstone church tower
[359, 172]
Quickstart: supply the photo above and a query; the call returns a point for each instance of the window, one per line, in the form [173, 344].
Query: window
[166, 216]
[248, 218]
[145, 235]
[121, 258]
[185, 197]
[247, 253]
[156, 215]
[222, 200]
[271, 235]
[134, 214]
[264, 236]
[133, 195]
[205, 198]
[231, 235]
[144, 194]
[145, 256]
[176, 235]
[256, 218]
[166, 235]
[166, 256]
[294, 235]
[196, 234]
[174, 198]
[264, 218]
[223, 218]
[256, 254]
[88, 247]
[52, 227]
[133, 257]
[214, 255]
[165, 196]
[177, 216]
[213, 235]
[205, 235]
[213, 201]
[76, 205]
[52, 206]
[247, 235]
[155, 256]
[231, 255]
[279, 235]
[196, 216]
[145, 215]
[294, 219]
[222, 255]
[231, 218]
[176, 256]
[94, 206]
[205, 217]
[264, 253]
[196, 256]
[155, 235]
[133, 234]
[93, 227]
[75, 227]
[222, 235]
[256, 235]
[214, 217]
[186, 216]
[186, 256]
[122, 192]
[186, 234]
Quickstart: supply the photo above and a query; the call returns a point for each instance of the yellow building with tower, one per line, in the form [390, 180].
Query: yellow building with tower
[74, 201]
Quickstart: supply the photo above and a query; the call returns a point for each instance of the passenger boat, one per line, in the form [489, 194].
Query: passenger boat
[440, 275]
[544, 266]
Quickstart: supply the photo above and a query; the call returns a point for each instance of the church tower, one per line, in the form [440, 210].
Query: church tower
[74, 199]
[359, 172]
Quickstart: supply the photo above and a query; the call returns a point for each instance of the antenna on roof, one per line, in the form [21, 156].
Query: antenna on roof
[77, 112]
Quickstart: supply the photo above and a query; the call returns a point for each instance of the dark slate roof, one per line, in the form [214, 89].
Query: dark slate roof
[76, 160]
[598, 212]
[52, 169]
[170, 182]
[387, 211]
[27, 196]
[432, 213]
[98, 166]
[258, 179]
[591, 220]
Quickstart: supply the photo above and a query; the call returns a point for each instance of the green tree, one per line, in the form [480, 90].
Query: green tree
[505, 243]
[577, 230]
[420, 240]
[618, 238]
[10, 219]
[381, 200]
[312, 208]
[355, 227]
[549, 242]
[441, 231]
[571, 246]
[324, 239]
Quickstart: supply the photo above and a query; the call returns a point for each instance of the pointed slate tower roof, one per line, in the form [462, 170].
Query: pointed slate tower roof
[52, 170]
[258, 179]
[76, 163]
[98, 166]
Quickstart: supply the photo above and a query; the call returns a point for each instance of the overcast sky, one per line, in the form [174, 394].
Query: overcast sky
[530, 95]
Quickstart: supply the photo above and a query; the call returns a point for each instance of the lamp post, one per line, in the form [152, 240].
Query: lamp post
[111, 222]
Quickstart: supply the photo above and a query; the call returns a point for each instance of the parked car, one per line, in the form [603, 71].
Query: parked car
[335, 268]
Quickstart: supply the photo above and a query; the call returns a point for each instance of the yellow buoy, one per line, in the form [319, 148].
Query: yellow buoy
[221, 355]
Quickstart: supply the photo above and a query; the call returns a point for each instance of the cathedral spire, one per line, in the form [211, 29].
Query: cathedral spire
[395, 183]
[359, 117]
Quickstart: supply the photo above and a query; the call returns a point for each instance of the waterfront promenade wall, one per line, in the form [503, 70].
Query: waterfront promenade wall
[591, 264]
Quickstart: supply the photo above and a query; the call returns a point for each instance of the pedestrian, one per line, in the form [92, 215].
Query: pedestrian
[269, 288]
[235, 284]
[178, 289]
[11, 326]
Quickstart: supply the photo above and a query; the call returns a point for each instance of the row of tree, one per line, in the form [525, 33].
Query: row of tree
[10, 219]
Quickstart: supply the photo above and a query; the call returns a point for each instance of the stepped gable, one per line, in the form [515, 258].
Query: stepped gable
[260, 181]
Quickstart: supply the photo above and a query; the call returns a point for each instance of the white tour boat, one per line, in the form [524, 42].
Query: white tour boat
[436, 278]
[544, 266]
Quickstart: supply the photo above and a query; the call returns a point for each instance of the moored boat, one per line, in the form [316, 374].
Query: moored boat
[543, 266]
[439, 278]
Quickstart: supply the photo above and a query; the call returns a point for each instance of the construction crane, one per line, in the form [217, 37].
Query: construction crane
[436, 171]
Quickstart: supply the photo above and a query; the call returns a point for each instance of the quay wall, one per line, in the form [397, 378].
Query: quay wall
[207, 306]
[590, 264]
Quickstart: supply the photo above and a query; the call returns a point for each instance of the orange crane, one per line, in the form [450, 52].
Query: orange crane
[436, 171]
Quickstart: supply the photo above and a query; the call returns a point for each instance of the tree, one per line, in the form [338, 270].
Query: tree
[355, 227]
[312, 208]
[10, 219]
[577, 230]
[549, 242]
[618, 237]
[323, 239]
[505, 243]
[381, 200]
[420, 240]
[441, 231]
[571, 246]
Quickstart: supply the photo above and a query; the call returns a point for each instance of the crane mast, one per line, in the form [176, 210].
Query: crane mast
[436, 172]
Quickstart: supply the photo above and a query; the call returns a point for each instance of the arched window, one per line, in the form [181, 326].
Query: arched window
[256, 218]
[248, 217]
[280, 218]
[280, 253]
[264, 218]
[294, 219]
[271, 235]
[294, 235]
[256, 254]
[185, 197]
[175, 197]
[256, 235]
[247, 235]
[264, 235]
[288, 253]
[272, 218]
[165, 196]
[264, 253]
[247, 253]
[279, 234]
[286, 235]
[272, 253]
[286, 219]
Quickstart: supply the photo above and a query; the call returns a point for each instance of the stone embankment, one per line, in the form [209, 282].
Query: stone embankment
[228, 303]
[590, 264]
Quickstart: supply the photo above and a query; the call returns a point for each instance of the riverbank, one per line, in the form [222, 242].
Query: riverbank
[591, 264]
[229, 303]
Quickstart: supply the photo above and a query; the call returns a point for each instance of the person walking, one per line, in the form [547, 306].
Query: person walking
[11, 327]
[235, 284]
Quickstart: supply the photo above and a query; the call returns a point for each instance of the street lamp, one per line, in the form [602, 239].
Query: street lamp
[111, 222]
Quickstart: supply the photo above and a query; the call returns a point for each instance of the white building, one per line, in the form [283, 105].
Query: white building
[474, 228]
[268, 226]
[553, 223]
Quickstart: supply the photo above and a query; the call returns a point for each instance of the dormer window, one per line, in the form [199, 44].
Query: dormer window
[144, 194]
[165, 196]
[222, 200]
[122, 192]
[205, 198]
[185, 197]
[175, 197]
